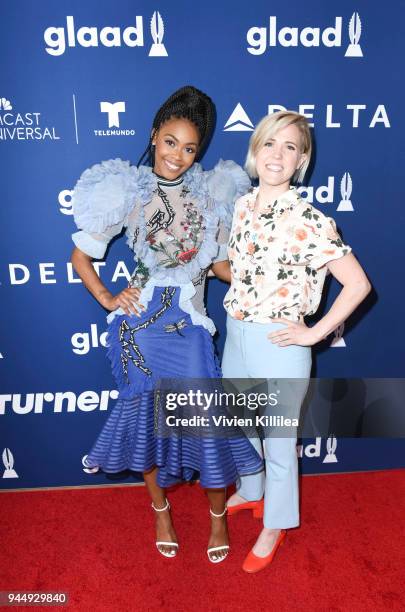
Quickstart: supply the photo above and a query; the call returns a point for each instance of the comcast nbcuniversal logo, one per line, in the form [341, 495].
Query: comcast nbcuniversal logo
[5, 104]
[259, 38]
[24, 125]
[58, 38]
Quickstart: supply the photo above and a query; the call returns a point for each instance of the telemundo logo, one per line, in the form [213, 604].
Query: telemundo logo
[260, 38]
[113, 111]
[58, 39]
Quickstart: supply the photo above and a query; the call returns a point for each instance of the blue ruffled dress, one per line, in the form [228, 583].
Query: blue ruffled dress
[177, 230]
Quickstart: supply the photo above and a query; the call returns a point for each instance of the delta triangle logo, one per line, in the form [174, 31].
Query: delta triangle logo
[238, 121]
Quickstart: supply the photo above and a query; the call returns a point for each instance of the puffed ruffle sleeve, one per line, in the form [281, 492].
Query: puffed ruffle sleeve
[226, 183]
[102, 200]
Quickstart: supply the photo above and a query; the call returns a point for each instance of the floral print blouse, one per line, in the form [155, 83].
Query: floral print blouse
[278, 258]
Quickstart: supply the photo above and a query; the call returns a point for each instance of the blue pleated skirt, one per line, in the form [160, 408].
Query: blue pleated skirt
[162, 344]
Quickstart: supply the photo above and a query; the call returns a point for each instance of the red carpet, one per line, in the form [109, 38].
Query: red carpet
[98, 544]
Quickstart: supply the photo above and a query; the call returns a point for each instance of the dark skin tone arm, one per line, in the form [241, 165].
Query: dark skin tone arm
[125, 299]
[222, 270]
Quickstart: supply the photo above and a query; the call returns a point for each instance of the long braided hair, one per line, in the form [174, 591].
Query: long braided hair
[186, 103]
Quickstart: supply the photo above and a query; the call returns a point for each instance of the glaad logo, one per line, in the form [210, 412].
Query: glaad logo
[22, 126]
[346, 191]
[82, 342]
[8, 462]
[132, 36]
[238, 121]
[113, 111]
[65, 201]
[259, 38]
[325, 194]
[331, 445]
[60, 402]
[88, 469]
[354, 49]
[157, 30]
[314, 450]
[338, 340]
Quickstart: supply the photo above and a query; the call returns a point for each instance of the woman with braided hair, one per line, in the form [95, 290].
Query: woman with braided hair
[176, 220]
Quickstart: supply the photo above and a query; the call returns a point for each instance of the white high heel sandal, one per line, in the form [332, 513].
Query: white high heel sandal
[172, 553]
[213, 549]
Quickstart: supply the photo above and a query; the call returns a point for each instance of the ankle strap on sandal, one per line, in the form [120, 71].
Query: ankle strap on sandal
[166, 507]
[219, 515]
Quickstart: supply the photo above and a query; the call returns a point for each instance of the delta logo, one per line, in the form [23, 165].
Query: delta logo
[330, 115]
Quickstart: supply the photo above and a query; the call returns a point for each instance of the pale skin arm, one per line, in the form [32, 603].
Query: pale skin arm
[126, 299]
[355, 287]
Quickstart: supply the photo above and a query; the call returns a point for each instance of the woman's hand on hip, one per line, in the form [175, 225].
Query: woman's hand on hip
[294, 333]
[127, 299]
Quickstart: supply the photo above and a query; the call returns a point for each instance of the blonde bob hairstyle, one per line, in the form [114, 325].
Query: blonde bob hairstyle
[267, 128]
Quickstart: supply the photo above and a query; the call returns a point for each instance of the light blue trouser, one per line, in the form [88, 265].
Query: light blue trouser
[248, 353]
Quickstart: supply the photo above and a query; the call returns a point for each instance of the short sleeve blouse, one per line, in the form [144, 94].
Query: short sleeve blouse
[278, 259]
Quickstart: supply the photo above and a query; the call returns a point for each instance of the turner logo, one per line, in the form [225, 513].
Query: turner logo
[57, 39]
[314, 450]
[23, 126]
[113, 111]
[60, 402]
[325, 194]
[259, 38]
[82, 342]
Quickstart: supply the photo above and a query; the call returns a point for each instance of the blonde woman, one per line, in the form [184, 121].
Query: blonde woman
[280, 251]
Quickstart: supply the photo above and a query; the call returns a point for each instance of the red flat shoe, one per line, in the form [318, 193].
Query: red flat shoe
[253, 564]
[257, 508]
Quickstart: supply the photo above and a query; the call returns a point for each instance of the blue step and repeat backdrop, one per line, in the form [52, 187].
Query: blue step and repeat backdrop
[80, 82]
